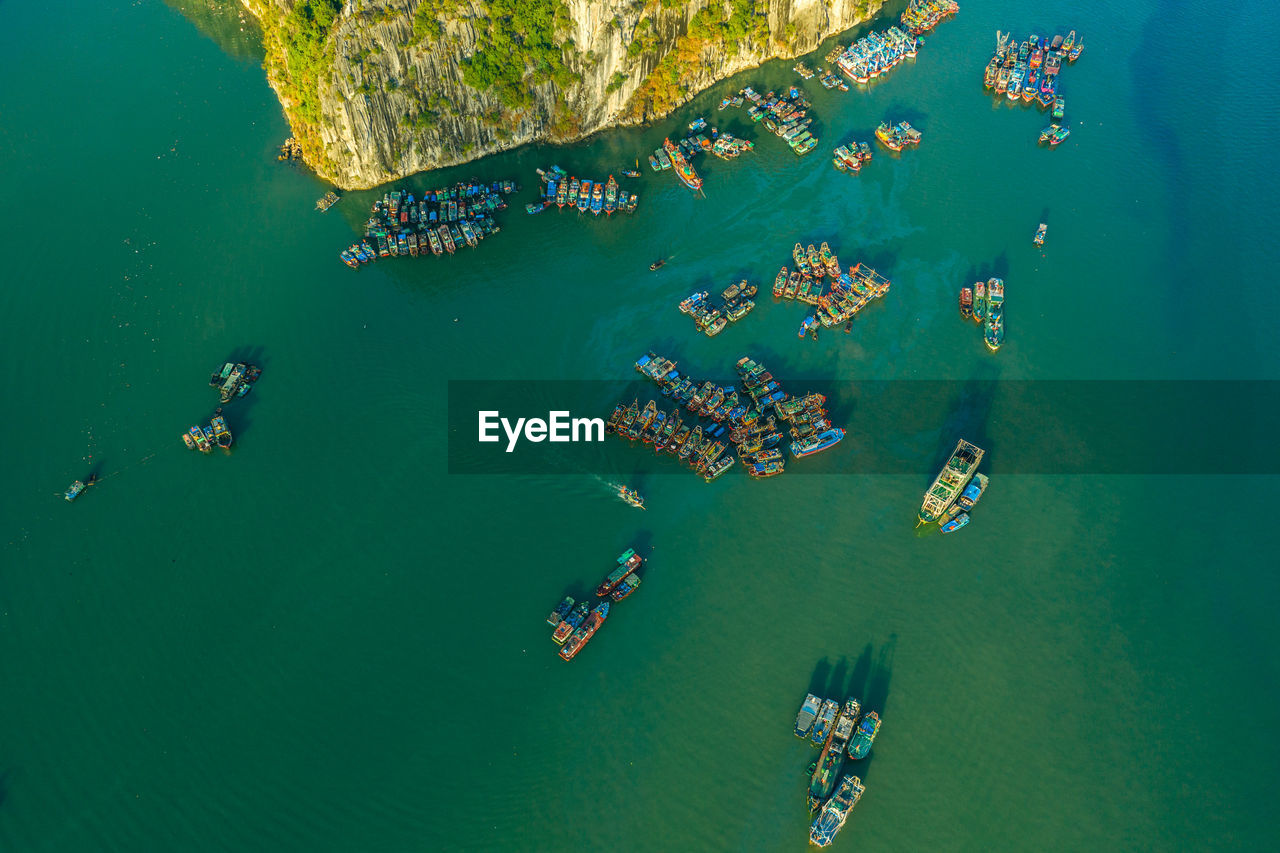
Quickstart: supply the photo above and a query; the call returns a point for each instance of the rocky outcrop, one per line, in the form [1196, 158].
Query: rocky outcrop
[379, 89]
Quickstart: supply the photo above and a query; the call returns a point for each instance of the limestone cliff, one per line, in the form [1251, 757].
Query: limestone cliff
[379, 89]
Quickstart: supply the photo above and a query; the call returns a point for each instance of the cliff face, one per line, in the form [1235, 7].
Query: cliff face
[379, 89]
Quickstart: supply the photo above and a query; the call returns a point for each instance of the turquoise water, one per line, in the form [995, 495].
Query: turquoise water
[326, 642]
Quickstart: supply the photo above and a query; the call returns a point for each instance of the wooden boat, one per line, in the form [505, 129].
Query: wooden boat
[779, 282]
[966, 303]
[1040, 232]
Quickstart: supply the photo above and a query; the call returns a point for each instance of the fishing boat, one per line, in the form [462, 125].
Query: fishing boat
[807, 325]
[585, 631]
[562, 610]
[1059, 109]
[597, 198]
[955, 522]
[993, 334]
[860, 743]
[822, 726]
[827, 770]
[834, 814]
[808, 714]
[631, 497]
[980, 301]
[1058, 135]
[631, 173]
[570, 622]
[628, 562]
[966, 303]
[574, 185]
[221, 434]
[197, 437]
[951, 480]
[816, 443]
[535, 207]
[1040, 232]
[584, 196]
[562, 194]
[629, 585]
[779, 282]
[610, 196]
[77, 488]
[973, 492]
[327, 201]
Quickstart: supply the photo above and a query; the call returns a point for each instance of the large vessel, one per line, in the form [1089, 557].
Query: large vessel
[828, 769]
[836, 812]
[570, 622]
[816, 443]
[860, 743]
[826, 719]
[628, 562]
[951, 480]
[994, 332]
[586, 631]
[808, 713]
[684, 169]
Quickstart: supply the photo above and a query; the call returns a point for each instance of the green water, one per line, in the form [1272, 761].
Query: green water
[325, 642]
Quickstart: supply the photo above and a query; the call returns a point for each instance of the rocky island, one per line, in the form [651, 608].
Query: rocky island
[378, 89]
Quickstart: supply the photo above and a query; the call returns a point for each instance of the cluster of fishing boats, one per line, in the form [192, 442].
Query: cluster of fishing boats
[848, 294]
[876, 54]
[711, 319]
[561, 188]
[921, 16]
[442, 220]
[786, 116]
[1029, 71]
[951, 483]
[234, 380]
[575, 623]
[849, 158]
[204, 438]
[984, 303]
[840, 731]
[957, 515]
[1054, 134]
[749, 421]
[898, 136]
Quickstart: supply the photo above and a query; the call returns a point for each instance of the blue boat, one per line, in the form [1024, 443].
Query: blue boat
[972, 492]
[862, 739]
[808, 713]
[960, 520]
[78, 487]
[816, 443]
[561, 611]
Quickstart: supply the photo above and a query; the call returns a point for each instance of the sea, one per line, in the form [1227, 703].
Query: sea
[333, 639]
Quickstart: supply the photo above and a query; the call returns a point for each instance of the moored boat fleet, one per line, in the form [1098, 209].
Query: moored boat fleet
[560, 188]
[735, 303]
[1030, 71]
[442, 220]
[849, 158]
[847, 294]
[840, 731]
[984, 304]
[898, 136]
[235, 380]
[876, 54]
[921, 16]
[786, 116]
[749, 422]
[575, 623]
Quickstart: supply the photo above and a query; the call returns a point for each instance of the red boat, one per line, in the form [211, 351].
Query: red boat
[966, 303]
[628, 562]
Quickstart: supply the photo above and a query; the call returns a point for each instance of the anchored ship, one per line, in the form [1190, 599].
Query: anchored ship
[860, 743]
[836, 812]
[586, 631]
[628, 562]
[808, 713]
[951, 480]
